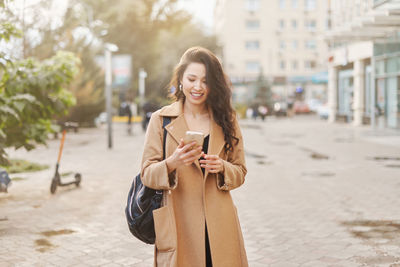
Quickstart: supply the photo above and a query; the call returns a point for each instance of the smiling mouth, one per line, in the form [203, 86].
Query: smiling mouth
[197, 94]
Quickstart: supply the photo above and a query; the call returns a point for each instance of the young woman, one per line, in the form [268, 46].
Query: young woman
[197, 225]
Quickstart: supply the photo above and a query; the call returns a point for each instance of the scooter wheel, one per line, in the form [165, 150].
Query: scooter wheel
[78, 178]
[53, 185]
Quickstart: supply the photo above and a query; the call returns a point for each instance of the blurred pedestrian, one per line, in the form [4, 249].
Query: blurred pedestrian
[255, 114]
[4, 180]
[290, 108]
[249, 113]
[262, 110]
[147, 110]
[126, 110]
[197, 225]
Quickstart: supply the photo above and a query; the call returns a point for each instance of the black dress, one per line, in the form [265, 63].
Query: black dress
[208, 251]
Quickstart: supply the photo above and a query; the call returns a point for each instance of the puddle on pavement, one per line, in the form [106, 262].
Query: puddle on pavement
[380, 158]
[84, 143]
[379, 260]
[43, 245]
[378, 234]
[251, 126]
[318, 174]
[392, 164]
[262, 162]
[344, 140]
[255, 155]
[293, 135]
[59, 232]
[374, 230]
[282, 143]
[314, 155]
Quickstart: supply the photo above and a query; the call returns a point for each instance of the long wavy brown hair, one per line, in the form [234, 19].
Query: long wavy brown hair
[219, 97]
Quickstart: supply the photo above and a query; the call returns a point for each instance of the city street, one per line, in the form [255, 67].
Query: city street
[316, 194]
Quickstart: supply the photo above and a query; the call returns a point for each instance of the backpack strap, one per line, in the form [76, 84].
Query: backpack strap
[166, 121]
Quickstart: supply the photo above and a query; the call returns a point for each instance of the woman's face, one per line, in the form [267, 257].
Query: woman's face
[194, 84]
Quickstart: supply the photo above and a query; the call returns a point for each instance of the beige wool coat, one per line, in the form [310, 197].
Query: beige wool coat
[192, 199]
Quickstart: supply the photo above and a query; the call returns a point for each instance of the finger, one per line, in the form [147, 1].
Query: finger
[212, 157]
[194, 152]
[187, 148]
[204, 161]
[181, 143]
[211, 167]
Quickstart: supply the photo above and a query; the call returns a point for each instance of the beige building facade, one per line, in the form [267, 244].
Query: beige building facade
[364, 62]
[280, 39]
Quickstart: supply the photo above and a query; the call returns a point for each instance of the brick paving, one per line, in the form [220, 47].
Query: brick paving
[314, 196]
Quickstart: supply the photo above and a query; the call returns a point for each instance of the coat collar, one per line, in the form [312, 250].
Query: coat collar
[178, 127]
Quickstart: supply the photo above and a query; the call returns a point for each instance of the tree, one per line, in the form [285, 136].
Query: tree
[263, 92]
[31, 94]
[76, 33]
[155, 33]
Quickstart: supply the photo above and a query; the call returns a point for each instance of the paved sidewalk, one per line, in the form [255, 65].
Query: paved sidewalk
[316, 194]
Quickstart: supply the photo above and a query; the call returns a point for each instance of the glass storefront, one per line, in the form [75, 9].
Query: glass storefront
[345, 94]
[368, 93]
[387, 83]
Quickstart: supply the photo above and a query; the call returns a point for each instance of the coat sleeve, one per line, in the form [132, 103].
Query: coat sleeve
[235, 165]
[154, 172]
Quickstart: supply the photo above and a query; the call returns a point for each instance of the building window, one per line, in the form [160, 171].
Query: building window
[294, 24]
[295, 44]
[253, 66]
[310, 44]
[282, 64]
[310, 24]
[294, 64]
[294, 4]
[252, 45]
[309, 64]
[310, 4]
[281, 24]
[282, 4]
[282, 45]
[328, 24]
[252, 25]
[252, 5]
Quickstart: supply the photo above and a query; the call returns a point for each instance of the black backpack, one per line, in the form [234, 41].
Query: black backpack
[141, 203]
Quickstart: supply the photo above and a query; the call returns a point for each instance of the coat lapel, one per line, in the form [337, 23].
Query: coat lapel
[217, 140]
[178, 127]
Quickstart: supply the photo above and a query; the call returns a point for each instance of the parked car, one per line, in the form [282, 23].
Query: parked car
[301, 107]
[323, 111]
[314, 104]
[280, 109]
[101, 119]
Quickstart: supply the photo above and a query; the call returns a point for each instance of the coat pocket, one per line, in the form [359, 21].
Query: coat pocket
[165, 229]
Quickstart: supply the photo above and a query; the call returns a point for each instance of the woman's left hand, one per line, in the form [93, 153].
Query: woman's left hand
[212, 163]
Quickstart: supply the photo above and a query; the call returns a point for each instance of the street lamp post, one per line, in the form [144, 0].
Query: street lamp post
[142, 77]
[109, 48]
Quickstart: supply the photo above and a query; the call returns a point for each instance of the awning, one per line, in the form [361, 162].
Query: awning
[381, 21]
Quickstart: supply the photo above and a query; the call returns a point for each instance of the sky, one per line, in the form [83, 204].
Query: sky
[202, 10]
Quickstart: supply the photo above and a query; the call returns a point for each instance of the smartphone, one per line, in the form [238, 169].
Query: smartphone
[191, 136]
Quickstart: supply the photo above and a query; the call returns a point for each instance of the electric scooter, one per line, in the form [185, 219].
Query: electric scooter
[56, 181]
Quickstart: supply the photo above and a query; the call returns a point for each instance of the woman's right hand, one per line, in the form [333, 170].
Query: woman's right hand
[183, 155]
